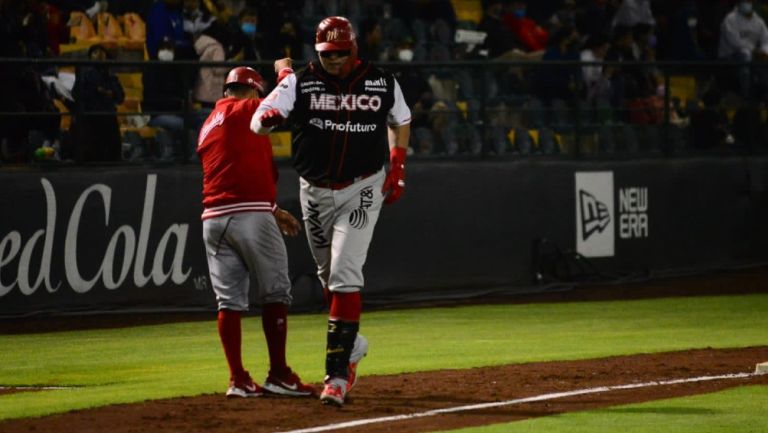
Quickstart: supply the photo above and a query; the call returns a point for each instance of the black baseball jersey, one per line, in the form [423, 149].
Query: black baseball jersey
[339, 126]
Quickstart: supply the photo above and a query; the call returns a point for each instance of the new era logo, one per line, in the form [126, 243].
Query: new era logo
[594, 213]
[595, 216]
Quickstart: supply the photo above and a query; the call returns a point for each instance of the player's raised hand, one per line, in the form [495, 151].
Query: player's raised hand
[287, 223]
[284, 63]
[271, 117]
[394, 184]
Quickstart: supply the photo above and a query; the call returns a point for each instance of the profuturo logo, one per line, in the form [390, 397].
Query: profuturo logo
[594, 214]
[317, 123]
[329, 125]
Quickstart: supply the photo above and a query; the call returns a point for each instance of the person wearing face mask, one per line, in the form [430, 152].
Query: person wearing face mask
[165, 22]
[744, 38]
[531, 35]
[97, 90]
[196, 19]
[683, 39]
[248, 41]
[165, 90]
[743, 33]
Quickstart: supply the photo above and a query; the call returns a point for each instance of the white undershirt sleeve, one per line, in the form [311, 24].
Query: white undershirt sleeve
[282, 97]
[399, 114]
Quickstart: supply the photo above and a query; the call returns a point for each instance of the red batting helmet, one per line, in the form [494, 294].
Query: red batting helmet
[245, 76]
[335, 33]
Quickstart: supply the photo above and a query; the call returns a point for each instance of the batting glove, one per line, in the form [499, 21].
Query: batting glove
[394, 184]
[271, 117]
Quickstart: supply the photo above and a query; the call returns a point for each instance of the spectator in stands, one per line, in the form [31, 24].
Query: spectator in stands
[249, 43]
[532, 36]
[595, 18]
[165, 89]
[369, 40]
[744, 37]
[645, 41]
[636, 87]
[709, 124]
[210, 80]
[290, 40]
[20, 135]
[411, 80]
[633, 12]
[273, 15]
[165, 22]
[563, 17]
[452, 131]
[596, 85]
[35, 29]
[422, 136]
[623, 78]
[682, 42]
[749, 129]
[435, 22]
[97, 136]
[499, 40]
[559, 82]
[195, 18]
[501, 44]
[711, 15]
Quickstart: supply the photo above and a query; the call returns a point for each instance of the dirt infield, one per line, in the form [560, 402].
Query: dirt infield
[385, 396]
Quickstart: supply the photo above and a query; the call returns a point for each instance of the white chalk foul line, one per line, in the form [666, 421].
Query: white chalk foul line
[543, 397]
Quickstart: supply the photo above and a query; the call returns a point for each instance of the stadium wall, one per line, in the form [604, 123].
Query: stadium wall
[128, 238]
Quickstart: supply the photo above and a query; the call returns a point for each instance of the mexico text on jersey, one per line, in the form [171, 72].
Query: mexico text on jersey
[339, 126]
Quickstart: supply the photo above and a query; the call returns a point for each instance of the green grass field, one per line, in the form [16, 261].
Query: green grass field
[151, 362]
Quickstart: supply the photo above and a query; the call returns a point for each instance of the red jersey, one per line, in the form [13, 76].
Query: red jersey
[238, 171]
[532, 36]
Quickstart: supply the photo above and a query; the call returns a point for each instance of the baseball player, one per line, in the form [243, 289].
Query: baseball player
[345, 116]
[241, 232]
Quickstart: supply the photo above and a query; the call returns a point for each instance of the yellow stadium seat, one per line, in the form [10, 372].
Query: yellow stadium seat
[132, 85]
[683, 88]
[81, 28]
[135, 31]
[281, 144]
[468, 10]
[463, 108]
[66, 118]
[108, 28]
